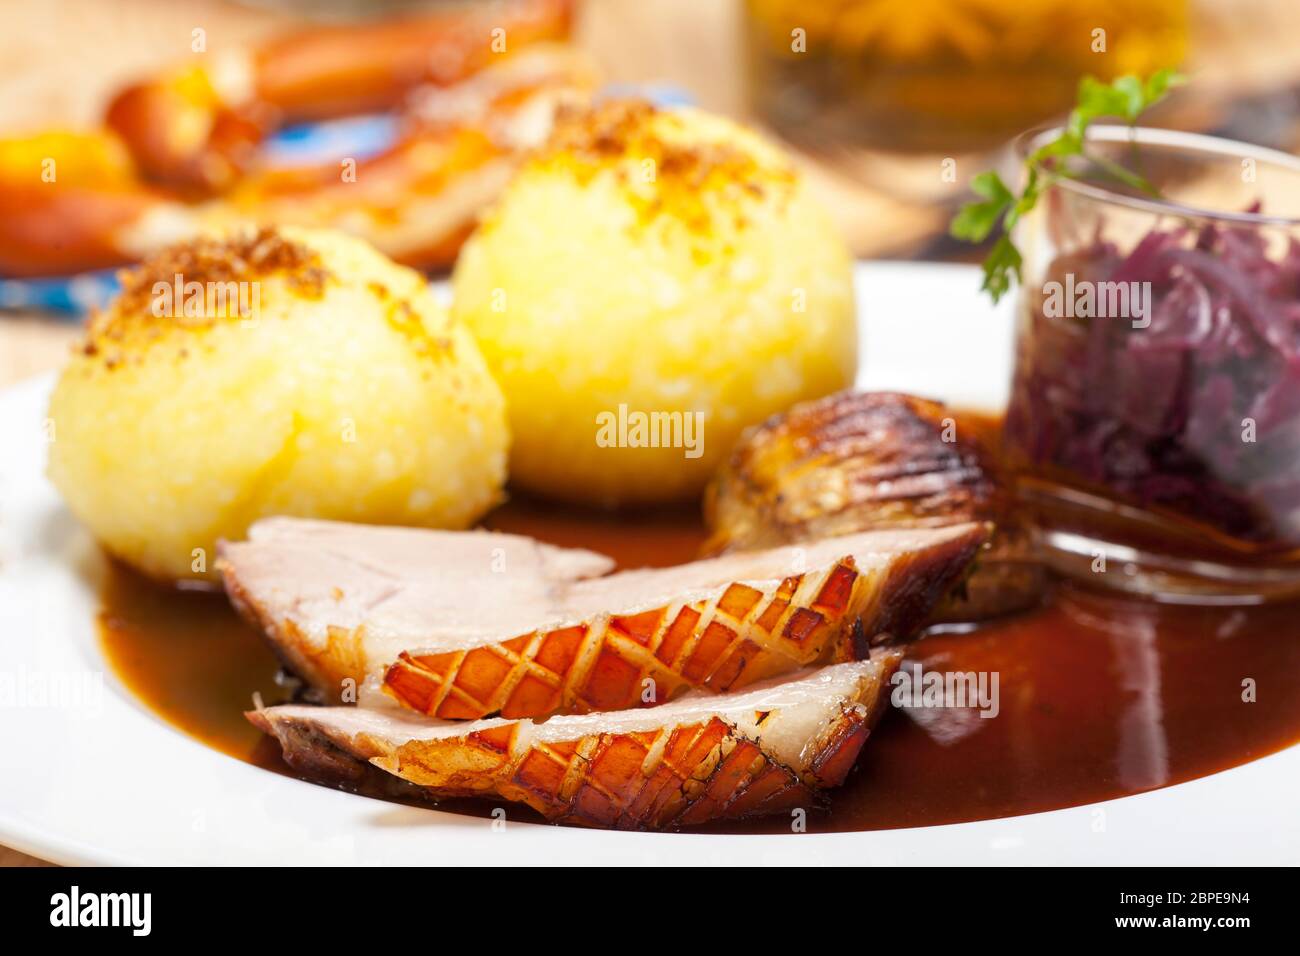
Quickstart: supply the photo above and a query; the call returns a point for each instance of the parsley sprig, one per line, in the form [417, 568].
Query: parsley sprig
[1127, 98]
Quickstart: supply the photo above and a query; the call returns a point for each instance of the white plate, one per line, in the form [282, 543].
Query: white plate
[100, 779]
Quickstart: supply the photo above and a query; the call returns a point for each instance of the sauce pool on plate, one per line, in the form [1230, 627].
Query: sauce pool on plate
[1097, 696]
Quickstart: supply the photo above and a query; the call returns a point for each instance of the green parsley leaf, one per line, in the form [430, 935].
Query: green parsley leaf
[976, 220]
[1002, 262]
[1126, 97]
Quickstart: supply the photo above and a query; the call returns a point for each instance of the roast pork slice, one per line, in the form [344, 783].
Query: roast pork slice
[639, 638]
[768, 749]
[340, 601]
[453, 635]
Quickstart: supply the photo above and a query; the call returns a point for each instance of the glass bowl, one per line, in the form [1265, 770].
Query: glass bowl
[1154, 420]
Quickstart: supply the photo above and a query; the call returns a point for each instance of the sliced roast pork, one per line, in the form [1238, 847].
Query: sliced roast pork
[768, 749]
[340, 601]
[458, 640]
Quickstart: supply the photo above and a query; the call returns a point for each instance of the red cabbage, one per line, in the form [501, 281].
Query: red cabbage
[1157, 415]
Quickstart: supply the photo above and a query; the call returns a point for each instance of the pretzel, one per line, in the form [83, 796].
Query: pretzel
[77, 201]
[196, 127]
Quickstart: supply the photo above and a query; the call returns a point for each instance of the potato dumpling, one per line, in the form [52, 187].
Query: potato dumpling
[648, 271]
[286, 372]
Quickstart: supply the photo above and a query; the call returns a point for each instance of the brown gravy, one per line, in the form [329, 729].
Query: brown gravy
[1100, 696]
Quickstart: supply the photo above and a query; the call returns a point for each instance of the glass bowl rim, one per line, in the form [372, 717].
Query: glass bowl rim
[1188, 142]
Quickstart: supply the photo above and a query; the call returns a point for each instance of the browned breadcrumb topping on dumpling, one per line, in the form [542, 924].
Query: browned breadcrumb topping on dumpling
[199, 283]
[404, 318]
[692, 179]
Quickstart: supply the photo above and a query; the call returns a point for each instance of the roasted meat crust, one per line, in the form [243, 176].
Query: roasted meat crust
[459, 639]
[692, 768]
[857, 461]
[744, 633]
